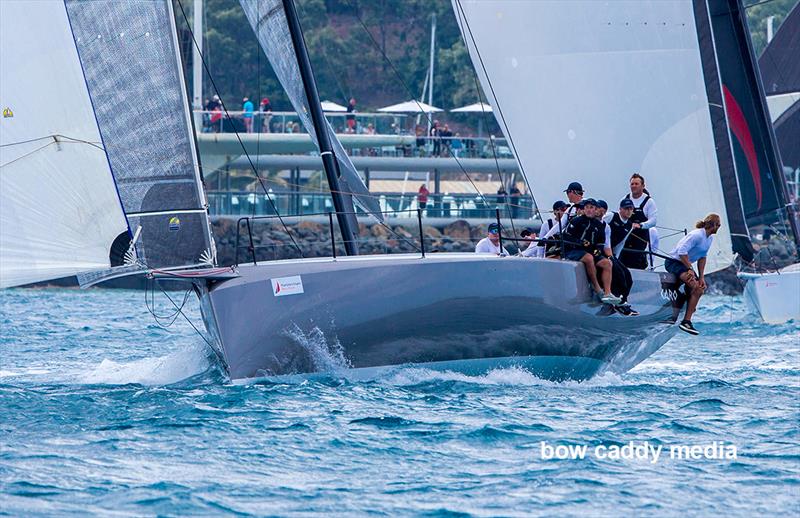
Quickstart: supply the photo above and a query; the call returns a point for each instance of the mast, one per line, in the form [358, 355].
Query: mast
[430, 69]
[329, 161]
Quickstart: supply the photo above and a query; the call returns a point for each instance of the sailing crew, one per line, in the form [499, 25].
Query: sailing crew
[645, 217]
[693, 247]
[575, 195]
[618, 227]
[491, 243]
[558, 211]
[584, 240]
[532, 250]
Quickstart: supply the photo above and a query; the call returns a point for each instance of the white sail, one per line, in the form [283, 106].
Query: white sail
[59, 209]
[594, 91]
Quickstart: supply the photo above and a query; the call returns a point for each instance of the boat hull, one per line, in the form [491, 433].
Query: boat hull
[776, 295]
[377, 311]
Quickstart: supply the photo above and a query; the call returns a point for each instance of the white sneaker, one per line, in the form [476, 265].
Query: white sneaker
[610, 299]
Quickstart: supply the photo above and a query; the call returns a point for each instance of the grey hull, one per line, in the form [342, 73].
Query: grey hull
[463, 311]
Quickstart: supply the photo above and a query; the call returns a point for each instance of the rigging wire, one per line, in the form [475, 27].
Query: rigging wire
[412, 96]
[238, 137]
[497, 104]
[509, 209]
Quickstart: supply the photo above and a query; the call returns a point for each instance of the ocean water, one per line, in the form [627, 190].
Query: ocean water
[105, 412]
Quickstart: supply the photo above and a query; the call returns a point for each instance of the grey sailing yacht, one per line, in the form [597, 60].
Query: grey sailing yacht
[442, 310]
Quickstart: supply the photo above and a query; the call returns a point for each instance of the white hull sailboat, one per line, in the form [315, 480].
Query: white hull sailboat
[775, 296]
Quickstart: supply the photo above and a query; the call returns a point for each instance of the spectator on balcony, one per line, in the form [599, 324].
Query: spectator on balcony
[370, 129]
[216, 119]
[456, 145]
[422, 196]
[266, 112]
[247, 116]
[419, 131]
[445, 135]
[516, 195]
[350, 118]
[436, 138]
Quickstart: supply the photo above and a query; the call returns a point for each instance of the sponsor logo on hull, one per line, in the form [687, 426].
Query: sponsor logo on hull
[287, 286]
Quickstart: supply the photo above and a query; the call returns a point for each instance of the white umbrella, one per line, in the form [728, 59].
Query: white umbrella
[474, 108]
[330, 106]
[410, 107]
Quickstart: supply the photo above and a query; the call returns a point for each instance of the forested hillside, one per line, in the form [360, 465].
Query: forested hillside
[374, 50]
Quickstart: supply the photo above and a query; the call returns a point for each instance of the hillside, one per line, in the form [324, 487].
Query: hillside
[374, 50]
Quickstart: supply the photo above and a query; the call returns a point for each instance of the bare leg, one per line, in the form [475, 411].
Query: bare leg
[591, 271]
[694, 296]
[605, 275]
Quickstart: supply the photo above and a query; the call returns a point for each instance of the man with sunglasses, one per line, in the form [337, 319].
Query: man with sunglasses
[491, 243]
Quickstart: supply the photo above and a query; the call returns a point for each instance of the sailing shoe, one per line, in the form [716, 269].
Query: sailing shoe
[627, 310]
[686, 326]
[610, 299]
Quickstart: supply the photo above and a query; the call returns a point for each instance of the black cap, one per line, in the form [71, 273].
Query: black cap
[527, 232]
[587, 201]
[602, 204]
[574, 186]
[493, 228]
[626, 203]
[560, 205]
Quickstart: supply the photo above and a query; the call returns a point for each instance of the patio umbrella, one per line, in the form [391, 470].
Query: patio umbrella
[474, 108]
[330, 106]
[410, 107]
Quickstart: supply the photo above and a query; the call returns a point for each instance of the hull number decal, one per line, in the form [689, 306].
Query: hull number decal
[287, 286]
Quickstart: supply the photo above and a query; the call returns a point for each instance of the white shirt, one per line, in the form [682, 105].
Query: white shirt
[650, 210]
[485, 246]
[533, 250]
[695, 244]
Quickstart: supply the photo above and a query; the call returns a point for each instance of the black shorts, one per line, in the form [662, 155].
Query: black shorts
[674, 267]
[574, 255]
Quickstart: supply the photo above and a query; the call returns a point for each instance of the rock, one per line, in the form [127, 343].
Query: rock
[310, 225]
[431, 232]
[458, 229]
[379, 230]
[402, 231]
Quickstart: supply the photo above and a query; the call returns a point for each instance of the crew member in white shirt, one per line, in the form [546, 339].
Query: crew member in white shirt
[693, 248]
[548, 224]
[491, 243]
[645, 218]
[532, 250]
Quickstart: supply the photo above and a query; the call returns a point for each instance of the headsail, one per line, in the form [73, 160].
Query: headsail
[595, 91]
[780, 73]
[59, 209]
[269, 23]
[130, 58]
[761, 182]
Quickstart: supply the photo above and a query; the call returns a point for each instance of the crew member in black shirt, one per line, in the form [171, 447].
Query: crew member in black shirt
[584, 240]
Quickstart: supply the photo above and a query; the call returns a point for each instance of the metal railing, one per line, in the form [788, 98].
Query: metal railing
[424, 145]
[395, 205]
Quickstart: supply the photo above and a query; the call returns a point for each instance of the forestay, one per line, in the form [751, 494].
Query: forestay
[59, 210]
[595, 91]
[130, 58]
[269, 23]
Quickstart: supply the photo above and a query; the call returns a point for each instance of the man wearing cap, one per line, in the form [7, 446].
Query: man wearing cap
[533, 248]
[575, 195]
[559, 208]
[584, 240]
[491, 243]
[621, 279]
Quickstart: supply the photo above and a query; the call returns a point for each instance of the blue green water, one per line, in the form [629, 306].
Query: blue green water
[104, 412]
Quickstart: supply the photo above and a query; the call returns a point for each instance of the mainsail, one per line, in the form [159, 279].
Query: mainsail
[130, 58]
[269, 23]
[59, 209]
[595, 91]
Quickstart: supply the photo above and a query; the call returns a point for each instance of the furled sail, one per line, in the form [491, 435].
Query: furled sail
[595, 91]
[59, 209]
[129, 53]
[269, 23]
[780, 73]
[758, 167]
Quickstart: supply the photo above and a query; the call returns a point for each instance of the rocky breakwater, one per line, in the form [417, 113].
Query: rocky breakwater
[271, 241]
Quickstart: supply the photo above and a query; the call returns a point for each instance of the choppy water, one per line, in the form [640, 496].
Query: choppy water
[104, 412]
